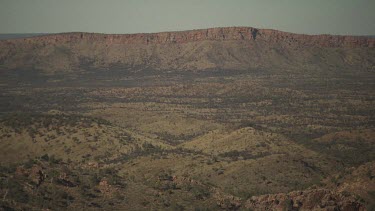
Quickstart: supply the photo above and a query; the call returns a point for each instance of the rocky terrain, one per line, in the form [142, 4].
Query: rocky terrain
[237, 48]
[233, 118]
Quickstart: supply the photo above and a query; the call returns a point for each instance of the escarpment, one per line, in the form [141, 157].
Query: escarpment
[238, 48]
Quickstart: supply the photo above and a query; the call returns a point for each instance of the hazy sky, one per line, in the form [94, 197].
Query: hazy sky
[356, 17]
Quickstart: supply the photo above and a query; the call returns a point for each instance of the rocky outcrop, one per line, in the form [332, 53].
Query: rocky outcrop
[357, 180]
[322, 199]
[35, 174]
[314, 199]
[105, 188]
[65, 180]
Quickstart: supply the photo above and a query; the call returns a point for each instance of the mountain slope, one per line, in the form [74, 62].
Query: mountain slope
[238, 48]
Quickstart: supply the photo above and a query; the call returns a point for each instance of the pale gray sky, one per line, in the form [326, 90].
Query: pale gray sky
[356, 17]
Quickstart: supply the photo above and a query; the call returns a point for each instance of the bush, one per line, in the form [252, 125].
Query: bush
[16, 192]
[45, 157]
[29, 163]
[200, 192]
[288, 205]
[54, 160]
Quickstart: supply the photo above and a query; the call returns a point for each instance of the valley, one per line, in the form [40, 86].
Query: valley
[297, 134]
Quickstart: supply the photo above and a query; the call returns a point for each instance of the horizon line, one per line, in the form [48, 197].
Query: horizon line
[172, 31]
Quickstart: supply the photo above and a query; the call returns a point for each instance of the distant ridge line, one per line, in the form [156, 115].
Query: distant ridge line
[220, 34]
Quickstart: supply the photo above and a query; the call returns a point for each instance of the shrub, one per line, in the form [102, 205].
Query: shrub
[29, 163]
[16, 192]
[200, 192]
[45, 157]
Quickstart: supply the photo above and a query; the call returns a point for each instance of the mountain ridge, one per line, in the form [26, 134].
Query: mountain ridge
[218, 33]
[231, 48]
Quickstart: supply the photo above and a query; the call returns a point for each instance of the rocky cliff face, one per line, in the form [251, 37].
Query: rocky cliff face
[222, 48]
[217, 34]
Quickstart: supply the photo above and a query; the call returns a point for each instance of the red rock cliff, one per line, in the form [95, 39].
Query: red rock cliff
[234, 48]
[227, 33]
